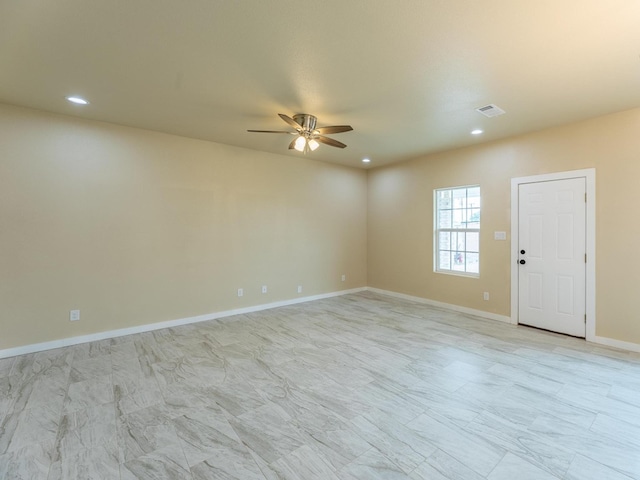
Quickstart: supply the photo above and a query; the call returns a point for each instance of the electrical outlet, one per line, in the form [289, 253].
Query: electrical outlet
[264, 289]
[299, 288]
[240, 292]
[344, 277]
[486, 295]
[74, 315]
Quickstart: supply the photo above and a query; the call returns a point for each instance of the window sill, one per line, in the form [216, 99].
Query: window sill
[458, 274]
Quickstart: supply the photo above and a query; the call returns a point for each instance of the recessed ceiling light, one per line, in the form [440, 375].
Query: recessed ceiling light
[477, 131]
[365, 160]
[78, 100]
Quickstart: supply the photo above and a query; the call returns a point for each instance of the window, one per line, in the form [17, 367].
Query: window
[457, 230]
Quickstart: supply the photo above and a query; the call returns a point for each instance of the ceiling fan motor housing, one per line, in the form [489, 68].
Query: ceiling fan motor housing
[306, 121]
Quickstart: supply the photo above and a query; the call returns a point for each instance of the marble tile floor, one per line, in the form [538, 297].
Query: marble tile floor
[362, 386]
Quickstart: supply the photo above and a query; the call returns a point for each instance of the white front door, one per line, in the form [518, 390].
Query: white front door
[552, 255]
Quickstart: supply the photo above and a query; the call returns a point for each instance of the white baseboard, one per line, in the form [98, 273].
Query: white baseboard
[607, 342]
[65, 342]
[447, 306]
[611, 342]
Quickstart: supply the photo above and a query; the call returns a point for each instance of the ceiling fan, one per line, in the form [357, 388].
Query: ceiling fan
[308, 136]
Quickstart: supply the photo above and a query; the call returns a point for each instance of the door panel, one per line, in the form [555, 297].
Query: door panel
[551, 281]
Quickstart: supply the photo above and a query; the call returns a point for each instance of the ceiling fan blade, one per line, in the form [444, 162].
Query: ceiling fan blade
[334, 129]
[330, 141]
[272, 131]
[290, 121]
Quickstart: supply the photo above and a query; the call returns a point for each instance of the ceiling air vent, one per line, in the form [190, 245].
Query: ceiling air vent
[490, 110]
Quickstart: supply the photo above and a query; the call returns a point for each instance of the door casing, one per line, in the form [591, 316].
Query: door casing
[589, 174]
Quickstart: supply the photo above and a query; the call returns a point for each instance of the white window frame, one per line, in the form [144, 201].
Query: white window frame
[437, 230]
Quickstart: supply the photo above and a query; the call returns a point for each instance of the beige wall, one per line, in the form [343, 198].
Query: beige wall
[134, 227]
[400, 216]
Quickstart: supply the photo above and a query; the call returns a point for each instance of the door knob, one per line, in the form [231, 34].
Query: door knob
[522, 262]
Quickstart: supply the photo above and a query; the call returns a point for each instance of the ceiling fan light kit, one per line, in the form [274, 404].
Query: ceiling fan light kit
[309, 137]
[300, 143]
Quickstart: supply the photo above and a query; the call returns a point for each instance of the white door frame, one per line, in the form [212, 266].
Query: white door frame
[589, 174]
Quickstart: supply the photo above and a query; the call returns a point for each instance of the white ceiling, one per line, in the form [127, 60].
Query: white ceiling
[406, 74]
